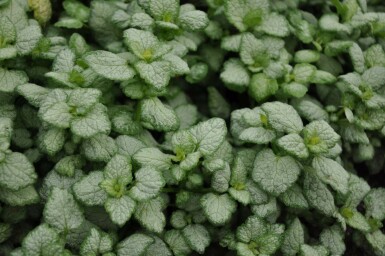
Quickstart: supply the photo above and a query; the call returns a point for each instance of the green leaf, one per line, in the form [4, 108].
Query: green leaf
[27, 39]
[318, 195]
[38, 239]
[157, 116]
[295, 90]
[242, 196]
[357, 57]
[96, 242]
[88, 191]
[194, 20]
[57, 115]
[5, 231]
[243, 249]
[268, 210]
[224, 152]
[114, 187]
[332, 173]
[64, 61]
[10, 79]
[354, 134]
[177, 242]
[54, 109]
[190, 162]
[78, 44]
[336, 47]
[310, 109]
[120, 209]
[139, 20]
[323, 77]
[68, 22]
[270, 243]
[9, 52]
[149, 214]
[55, 180]
[109, 65]
[374, 77]
[153, 157]
[218, 105]
[184, 142]
[7, 30]
[82, 100]
[303, 73]
[198, 72]
[197, 237]
[238, 189]
[358, 189]
[218, 208]
[246, 14]
[294, 145]
[283, 117]
[209, 135]
[134, 245]
[257, 135]
[319, 136]
[101, 23]
[257, 195]
[294, 237]
[370, 119]
[77, 10]
[15, 13]
[123, 123]
[374, 56]
[22, 138]
[99, 148]
[293, 197]
[68, 164]
[307, 250]
[178, 66]
[156, 73]
[355, 219]
[178, 219]
[33, 93]
[231, 43]
[306, 56]
[6, 129]
[377, 241]
[51, 141]
[16, 171]
[21, 197]
[128, 146]
[144, 44]
[165, 10]
[330, 23]
[235, 75]
[221, 177]
[62, 212]
[187, 114]
[273, 173]
[148, 182]
[133, 89]
[375, 203]
[61, 78]
[255, 233]
[275, 25]
[333, 239]
[119, 168]
[253, 52]
[158, 248]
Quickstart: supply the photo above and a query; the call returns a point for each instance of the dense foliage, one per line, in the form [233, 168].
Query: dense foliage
[216, 127]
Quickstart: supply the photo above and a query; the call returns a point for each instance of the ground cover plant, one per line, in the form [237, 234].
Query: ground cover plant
[214, 127]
